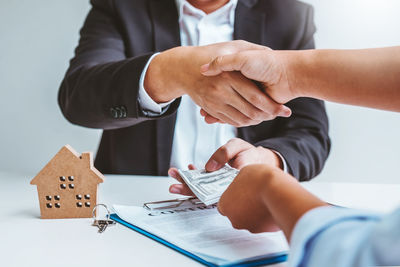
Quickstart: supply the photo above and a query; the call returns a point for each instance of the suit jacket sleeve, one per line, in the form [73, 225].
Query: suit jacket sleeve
[303, 138]
[100, 88]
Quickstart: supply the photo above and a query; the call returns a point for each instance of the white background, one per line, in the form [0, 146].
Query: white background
[38, 38]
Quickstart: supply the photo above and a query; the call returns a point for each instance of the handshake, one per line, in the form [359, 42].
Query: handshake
[238, 83]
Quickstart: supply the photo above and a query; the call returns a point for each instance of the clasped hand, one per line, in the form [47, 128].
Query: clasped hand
[229, 97]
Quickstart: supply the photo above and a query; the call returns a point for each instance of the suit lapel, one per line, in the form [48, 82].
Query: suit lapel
[164, 15]
[166, 35]
[249, 22]
[249, 26]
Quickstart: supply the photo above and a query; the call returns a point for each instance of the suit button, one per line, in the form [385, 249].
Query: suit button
[114, 113]
[118, 112]
[123, 111]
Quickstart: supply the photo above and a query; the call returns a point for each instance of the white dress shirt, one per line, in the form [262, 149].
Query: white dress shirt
[194, 140]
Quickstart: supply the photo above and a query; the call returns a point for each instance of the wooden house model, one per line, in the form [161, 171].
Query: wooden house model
[67, 186]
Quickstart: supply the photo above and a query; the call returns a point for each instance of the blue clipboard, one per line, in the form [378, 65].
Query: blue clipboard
[269, 259]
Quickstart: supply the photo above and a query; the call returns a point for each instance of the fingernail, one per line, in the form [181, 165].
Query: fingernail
[204, 68]
[175, 190]
[212, 165]
[286, 112]
[171, 173]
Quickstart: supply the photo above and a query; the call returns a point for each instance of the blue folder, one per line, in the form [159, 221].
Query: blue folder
[268, 259]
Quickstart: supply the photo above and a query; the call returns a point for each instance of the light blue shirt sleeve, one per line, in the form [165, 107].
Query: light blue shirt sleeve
[340, 237]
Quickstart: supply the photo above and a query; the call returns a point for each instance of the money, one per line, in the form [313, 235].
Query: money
[209, 186]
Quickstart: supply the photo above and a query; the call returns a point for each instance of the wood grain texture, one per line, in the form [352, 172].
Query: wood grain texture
[67, 185]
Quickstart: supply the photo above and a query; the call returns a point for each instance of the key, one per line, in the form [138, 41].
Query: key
[103, 224]
[102, 227]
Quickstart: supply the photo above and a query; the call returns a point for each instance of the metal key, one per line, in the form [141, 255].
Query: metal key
[102, 224]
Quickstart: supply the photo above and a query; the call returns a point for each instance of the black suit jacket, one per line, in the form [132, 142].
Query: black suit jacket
[100, 88]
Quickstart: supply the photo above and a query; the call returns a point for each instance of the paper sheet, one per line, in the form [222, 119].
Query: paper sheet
[203, 231]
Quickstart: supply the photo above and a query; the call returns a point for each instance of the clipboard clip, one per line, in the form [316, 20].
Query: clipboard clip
[172, 203]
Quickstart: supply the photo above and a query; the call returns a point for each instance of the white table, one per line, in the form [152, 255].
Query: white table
[27, 240]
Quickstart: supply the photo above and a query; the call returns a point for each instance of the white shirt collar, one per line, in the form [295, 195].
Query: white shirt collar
[228, 9]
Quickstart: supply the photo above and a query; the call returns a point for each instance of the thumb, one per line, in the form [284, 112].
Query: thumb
[233, 62]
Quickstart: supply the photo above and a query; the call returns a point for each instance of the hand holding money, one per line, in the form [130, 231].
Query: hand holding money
[237, 153]
[206, 186]
[181, 188]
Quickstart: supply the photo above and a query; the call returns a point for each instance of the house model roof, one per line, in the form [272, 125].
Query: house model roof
[66, 160]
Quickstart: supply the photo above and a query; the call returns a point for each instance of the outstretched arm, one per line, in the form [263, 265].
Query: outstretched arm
[367, 77]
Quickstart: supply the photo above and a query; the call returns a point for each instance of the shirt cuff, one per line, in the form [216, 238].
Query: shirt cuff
[284, 164]
[315, 222]
[148, 105]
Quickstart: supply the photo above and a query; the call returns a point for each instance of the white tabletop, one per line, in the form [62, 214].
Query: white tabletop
[27, 240]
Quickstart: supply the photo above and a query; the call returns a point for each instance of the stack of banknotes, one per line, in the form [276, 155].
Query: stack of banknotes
[209, 186]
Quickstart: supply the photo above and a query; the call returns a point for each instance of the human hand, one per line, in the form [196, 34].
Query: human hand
[181, 188]
[239, 153]
[243, 202]
[229, 97]
[265, 66]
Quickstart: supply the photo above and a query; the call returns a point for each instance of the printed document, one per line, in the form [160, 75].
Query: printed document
[202, 231]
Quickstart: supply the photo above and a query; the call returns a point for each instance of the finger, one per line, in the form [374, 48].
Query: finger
[257, 99]
[233, 113]
[226, 153]
[242, 160]
[240, 119]
[203, 112]
[227, 114]
[211, 120]
[239, 98]
[208, 118]
[192, 167]
[218, 115]
[232, 62]
[173, 172]
[180, 189]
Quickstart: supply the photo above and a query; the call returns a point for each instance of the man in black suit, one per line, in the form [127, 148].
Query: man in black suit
[115, 68]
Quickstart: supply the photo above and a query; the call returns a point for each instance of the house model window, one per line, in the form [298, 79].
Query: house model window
[67, 185]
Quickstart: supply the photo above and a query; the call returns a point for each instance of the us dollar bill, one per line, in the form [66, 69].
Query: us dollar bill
[209, 186]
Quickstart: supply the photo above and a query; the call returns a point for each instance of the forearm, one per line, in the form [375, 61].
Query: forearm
[287, 200]
[92, 95]
[170, 73]
[173, 72]
[369, 77]
[161, 81]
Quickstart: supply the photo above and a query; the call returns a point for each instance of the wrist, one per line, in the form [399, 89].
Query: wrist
[269, 176]
[298, 68]
[270, 157]
[272, 183]
[160, 81]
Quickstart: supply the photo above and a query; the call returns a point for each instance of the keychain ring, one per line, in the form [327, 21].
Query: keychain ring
[102, 205]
